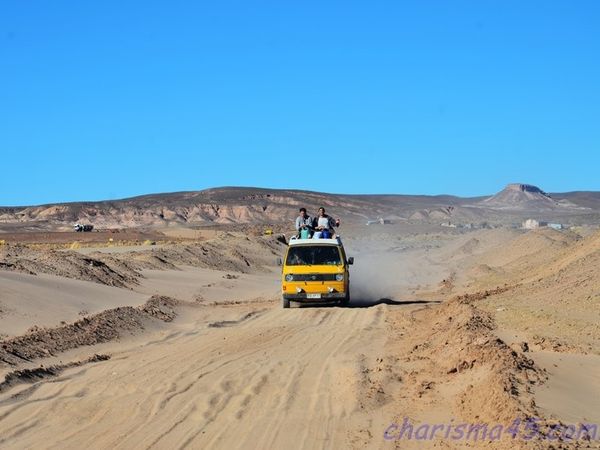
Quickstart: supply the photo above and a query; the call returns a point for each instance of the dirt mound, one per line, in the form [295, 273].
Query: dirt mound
[470, 246]
[534, 246]
[229, 252]
[456, 353]
[518, 258]
[556, 289]
[67, 264]
[24, 376]
[160, 307]
[103, 327]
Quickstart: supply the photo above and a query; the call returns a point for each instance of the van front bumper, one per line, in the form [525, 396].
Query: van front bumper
[308, 297]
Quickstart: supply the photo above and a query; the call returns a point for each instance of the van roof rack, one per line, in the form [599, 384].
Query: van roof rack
[294, 240]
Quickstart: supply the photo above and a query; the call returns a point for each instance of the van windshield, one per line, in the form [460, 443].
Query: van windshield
[313, 255]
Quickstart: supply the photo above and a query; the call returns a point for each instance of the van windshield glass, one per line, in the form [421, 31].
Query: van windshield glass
[313, 255]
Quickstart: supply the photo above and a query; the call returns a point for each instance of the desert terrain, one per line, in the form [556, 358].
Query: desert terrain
[163, 328]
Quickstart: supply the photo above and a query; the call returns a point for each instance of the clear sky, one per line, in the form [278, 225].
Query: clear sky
[111, 99]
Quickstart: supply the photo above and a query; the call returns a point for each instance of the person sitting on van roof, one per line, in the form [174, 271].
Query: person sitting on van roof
[324, 224]
[304, 223]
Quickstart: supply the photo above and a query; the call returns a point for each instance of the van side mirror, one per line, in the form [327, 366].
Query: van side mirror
[279, 262]
[351, 260]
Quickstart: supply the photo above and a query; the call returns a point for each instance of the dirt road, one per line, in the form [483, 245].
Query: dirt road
[231, 377]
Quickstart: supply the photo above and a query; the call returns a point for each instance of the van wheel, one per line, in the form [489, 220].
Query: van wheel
[346, 300]
[286, 302]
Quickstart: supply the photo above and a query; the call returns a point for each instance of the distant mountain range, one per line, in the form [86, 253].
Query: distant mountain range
[256, 205]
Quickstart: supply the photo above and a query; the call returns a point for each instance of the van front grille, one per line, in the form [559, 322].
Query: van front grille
[315, 277]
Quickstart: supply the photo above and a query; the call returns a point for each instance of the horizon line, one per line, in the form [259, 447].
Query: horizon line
[133, 197]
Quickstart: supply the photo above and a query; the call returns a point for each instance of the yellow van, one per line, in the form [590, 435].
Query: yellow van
[315, 270]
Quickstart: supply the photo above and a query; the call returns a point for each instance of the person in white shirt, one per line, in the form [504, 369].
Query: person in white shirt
[324, 224]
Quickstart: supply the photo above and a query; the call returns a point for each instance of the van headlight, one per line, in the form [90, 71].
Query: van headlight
[289, 277]
[339, 277]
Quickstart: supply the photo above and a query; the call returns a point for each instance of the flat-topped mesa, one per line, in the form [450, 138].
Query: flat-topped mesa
[521, 196]
[524, 188]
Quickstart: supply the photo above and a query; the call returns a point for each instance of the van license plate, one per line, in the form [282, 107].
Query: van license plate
[313, 295]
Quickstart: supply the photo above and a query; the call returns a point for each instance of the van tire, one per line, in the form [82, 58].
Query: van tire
[285, 302]
[346, 300]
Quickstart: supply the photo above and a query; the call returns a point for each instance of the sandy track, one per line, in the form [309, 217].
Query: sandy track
[236, 377]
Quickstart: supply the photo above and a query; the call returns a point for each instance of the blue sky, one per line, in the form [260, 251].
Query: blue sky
[112, 99]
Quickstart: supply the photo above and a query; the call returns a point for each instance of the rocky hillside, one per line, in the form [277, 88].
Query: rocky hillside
[222, 206]
[234, 205]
